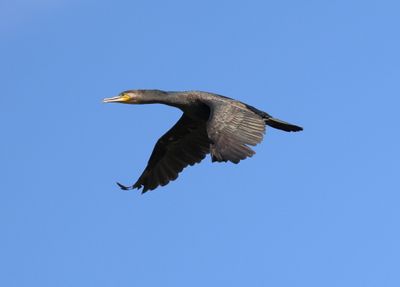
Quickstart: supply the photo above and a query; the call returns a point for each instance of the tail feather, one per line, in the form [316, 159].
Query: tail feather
[278, 124]
[275, 123]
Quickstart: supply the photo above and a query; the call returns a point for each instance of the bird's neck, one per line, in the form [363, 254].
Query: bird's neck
[162, 97]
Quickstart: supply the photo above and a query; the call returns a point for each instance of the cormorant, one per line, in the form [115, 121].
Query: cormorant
[210, 123]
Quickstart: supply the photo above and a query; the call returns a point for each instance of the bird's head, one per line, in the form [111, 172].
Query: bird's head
[127, 97]
[138, 97]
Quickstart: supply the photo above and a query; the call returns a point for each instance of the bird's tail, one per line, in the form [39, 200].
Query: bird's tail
[275, 123]
[278, 124]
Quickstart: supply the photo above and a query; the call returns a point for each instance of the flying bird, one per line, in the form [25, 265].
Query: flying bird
[210, 123]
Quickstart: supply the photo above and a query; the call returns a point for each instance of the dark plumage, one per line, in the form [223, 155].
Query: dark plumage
[210, 124]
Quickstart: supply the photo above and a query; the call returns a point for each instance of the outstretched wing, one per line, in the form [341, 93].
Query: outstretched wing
[186, 143]
[232, 127]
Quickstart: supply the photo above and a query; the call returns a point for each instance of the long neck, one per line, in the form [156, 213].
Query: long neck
[162, 97]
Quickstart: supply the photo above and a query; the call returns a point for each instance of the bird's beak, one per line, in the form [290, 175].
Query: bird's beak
[117, 99]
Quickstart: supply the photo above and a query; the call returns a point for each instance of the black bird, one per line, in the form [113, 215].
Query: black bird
[210, 123]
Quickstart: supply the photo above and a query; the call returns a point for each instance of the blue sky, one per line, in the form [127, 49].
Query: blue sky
[317, 208]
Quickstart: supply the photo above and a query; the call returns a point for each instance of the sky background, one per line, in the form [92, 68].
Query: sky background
[316, 208]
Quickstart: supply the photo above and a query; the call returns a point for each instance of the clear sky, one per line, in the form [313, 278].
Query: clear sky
[317, 208]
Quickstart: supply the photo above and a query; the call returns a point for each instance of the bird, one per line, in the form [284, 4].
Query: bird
[210, 124]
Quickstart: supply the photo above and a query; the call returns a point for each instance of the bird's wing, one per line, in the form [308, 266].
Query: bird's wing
[232, 127]
[186, 143]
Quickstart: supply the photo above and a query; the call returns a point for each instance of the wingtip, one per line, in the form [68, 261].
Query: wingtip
[123, 187]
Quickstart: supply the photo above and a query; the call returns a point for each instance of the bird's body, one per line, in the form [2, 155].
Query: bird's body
[210, 123]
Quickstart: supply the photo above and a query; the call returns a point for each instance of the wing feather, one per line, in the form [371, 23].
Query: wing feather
[186, 143]
[232, 129]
